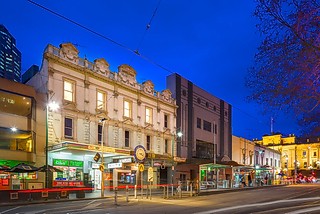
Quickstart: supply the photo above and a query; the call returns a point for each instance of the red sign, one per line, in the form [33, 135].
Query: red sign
[67, 183]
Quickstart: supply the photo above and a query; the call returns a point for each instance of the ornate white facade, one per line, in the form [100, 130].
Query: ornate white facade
[86, 92]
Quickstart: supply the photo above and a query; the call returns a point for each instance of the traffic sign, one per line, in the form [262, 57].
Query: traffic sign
[101, 167]
[141, 167]
[96, 158]
[150, 174]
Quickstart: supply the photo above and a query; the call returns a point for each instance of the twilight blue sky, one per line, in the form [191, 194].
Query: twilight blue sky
[212, 43]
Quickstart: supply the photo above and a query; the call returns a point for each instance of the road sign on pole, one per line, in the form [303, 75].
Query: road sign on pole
[141, 167]
[150, 174]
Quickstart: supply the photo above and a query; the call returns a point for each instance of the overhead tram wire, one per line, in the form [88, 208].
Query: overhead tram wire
[136, 52]
[103, 36]
[147, 27]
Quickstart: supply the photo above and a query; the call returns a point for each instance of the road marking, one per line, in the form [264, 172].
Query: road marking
[305, 210]
[257, 204]
[9, 210]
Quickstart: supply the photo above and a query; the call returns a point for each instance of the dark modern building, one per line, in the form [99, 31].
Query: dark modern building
[26, 76]
[205, 123]
[10, 56]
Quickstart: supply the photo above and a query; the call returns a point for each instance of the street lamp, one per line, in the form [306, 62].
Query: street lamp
[103, 120]
[179, 134]
[52, 106]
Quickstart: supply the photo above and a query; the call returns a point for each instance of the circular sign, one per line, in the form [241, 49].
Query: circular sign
[139, 153]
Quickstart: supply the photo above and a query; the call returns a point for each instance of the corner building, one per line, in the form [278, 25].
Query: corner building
[133, 114]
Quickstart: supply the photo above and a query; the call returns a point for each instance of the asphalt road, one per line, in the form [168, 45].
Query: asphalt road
[294, 199]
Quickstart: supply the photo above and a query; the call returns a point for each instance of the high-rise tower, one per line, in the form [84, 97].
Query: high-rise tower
[10, 56]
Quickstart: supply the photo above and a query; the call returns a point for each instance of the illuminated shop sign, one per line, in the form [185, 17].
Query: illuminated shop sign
[71, 163]
[125, 160]
[114, 165]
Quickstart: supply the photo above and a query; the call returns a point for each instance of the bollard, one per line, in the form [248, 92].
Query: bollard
[147, 193]
[127, 193]
[172, 189]
[116, 196]
[191, 189]
[135, 191]
[164, 192]
[150, 192]
[167, 191]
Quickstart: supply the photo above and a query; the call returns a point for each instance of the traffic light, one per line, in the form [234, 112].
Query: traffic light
[96, 158]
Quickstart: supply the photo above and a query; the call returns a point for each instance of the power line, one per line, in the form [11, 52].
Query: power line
[136, 52]
[148, 26]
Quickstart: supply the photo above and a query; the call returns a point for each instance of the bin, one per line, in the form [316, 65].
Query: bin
[80, 194]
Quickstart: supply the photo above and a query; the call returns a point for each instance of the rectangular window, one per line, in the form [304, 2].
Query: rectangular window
[148, 115]
[267, 161]
[166, 120]
[127, 109]
[304, 153]
[165, 146]
[304, 164]
[148, 142]
[215, 128]
[99, 134]
[68, 90]
[126, 138]
[101, 100]
[270, 162]
[206, 126]
[199, 123]
[68, 127]
[275, 163]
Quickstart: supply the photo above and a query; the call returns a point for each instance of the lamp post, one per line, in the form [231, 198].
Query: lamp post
[103, 120]
[52, 106]
[179, 134]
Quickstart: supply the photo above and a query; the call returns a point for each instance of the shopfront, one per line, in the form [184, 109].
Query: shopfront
[71, 175]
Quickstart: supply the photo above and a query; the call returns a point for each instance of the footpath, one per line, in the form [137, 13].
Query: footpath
[156, 194]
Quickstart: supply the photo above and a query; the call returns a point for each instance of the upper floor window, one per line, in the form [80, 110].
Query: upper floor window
[206, 125]
[304, 153]
[267, 161]
[166, 144]
[126, 138]
[148, 115]
[68, 90]
[68, 127]
[99, 134]
[199, 123]
[166, 120]
[148, 142]
[101, 100]
[127, 108]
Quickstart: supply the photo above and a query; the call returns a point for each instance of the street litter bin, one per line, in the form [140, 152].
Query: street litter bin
[80, 194]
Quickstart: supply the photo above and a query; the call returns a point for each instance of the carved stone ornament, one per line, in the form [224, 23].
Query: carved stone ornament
[166, 95]
[148, 87]
[127, 75]
[101, 66]
[69, 52]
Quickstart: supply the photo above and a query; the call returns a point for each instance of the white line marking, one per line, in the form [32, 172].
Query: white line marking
[10, 210]
[304, 210]
[257, 204]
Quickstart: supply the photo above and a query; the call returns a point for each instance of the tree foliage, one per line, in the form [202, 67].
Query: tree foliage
[286, 71]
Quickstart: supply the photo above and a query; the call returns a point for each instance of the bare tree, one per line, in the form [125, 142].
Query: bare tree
[286, 71]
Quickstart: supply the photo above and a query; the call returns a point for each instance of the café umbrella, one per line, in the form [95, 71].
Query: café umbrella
[23, 168]
[50, 169]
